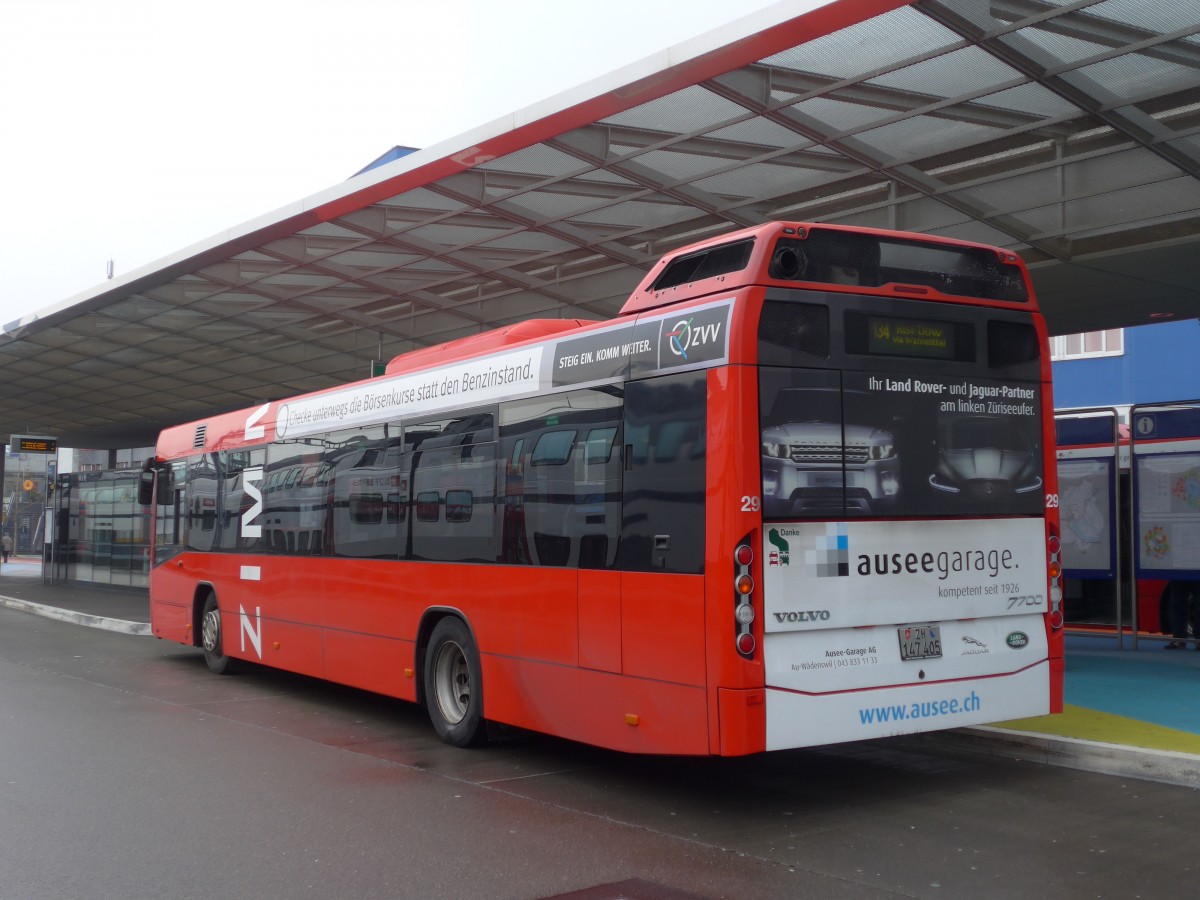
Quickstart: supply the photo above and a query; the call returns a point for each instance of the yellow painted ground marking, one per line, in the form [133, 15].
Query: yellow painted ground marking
[1091, 725]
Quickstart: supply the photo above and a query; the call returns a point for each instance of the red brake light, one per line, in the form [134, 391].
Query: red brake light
[743, 597]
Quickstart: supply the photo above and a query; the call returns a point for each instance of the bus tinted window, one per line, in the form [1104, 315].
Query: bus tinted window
[802, 327]
[200, 503]
[241, 483]
[454, 482]
[294, 498]
[361, 484]
[707, 263]
[869, 260]
[663, 518]
[562, 497]
[1010, 343]
[170, 521]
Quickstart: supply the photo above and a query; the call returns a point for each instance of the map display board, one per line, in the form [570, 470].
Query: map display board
[1166, 456]
[1087, 503]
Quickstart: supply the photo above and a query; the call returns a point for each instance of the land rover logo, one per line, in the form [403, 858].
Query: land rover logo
[1017, 640]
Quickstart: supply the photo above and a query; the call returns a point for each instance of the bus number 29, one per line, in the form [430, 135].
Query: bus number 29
[1052, 501]
[751, 503]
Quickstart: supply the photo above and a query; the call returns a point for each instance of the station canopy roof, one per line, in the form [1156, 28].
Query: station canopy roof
[1066, 131]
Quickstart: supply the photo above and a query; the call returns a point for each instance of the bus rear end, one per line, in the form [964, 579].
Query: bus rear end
[909, 549]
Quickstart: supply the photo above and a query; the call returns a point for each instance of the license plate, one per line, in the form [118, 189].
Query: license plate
[920, 641]
[825, 479]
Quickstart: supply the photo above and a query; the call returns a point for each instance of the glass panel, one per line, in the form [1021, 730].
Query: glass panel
[237, 471]
[837, 257]
[101, 533]
[562, 508]
[664, 482]
[463, 474]
[366, 493]
[453, 463]
[129, 536]
[170, 522]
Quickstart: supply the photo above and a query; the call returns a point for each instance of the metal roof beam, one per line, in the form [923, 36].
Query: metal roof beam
[1116, 112]
[1095, 29]
[903, 173]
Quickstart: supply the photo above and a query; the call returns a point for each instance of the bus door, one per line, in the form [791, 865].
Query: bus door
[663, 528]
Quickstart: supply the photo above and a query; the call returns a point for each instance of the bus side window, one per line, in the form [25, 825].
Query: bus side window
[562, 498]
[664, 484]
[170, 522]
[454, 485]
[358, 483]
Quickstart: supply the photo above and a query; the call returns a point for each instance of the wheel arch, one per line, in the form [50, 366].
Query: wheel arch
[201, 592]
[429, 621]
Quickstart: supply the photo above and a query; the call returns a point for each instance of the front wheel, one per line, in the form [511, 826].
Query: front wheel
[211, 639]
[454, 684]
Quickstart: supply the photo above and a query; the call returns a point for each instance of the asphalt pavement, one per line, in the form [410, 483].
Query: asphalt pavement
[1129, 712]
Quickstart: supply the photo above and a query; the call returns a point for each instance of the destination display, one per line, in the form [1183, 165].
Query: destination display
[30, 444]
[923, 338]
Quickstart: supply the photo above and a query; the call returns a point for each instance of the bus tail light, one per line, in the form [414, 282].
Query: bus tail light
[1054, 573]
[743, 598]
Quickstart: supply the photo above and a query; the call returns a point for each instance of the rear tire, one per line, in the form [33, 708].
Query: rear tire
[454, 684]
[211, 638]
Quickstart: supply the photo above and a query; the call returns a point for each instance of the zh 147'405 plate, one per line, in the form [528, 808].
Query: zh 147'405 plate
[920, 641]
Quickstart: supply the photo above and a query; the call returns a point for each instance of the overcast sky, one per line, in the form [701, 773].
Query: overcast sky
[135, 128]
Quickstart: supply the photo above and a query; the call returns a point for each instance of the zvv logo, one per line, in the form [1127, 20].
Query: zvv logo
[684, 336]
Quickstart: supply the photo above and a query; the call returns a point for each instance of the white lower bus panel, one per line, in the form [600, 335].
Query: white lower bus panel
[849, 684]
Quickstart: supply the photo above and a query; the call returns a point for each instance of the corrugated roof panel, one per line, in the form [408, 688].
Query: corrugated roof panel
[969, 70]
[689, 110]
[868, 46]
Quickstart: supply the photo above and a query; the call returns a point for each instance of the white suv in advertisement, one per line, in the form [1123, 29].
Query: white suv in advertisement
[811, 463]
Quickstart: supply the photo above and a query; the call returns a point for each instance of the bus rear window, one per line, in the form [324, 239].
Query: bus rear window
[868, 260]
[706, 263]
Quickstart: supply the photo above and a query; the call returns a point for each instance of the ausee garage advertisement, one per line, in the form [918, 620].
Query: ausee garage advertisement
[844, 574]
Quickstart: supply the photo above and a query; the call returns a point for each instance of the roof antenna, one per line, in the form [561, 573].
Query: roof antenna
[110, 270]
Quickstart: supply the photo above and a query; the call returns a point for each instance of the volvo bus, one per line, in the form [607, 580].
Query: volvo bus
[800, 490]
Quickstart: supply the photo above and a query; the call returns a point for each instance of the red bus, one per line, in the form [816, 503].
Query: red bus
[799, 491]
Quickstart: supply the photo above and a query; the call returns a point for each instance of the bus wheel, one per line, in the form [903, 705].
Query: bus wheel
[454, 684]
[210, 637]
